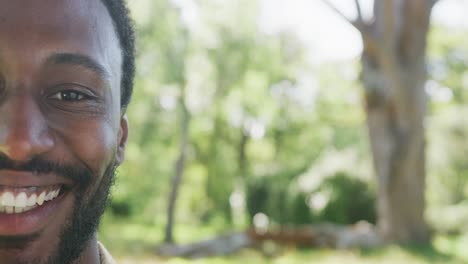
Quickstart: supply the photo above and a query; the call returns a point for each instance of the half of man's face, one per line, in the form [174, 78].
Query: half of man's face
[61, 129]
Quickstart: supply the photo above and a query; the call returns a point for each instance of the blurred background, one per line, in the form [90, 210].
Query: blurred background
[278, 116]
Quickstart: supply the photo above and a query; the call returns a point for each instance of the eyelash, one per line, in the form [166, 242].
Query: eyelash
[70, 96]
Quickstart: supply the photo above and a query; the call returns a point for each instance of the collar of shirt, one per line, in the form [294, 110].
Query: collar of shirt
[105, 256]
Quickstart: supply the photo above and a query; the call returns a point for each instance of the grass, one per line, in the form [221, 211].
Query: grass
[390, 255]
[131, 242]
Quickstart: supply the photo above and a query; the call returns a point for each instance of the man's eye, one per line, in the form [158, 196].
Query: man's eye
[69, 96]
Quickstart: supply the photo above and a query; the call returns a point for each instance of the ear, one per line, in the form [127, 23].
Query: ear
[122, 139]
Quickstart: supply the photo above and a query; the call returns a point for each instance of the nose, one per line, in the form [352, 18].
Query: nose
[24, 132]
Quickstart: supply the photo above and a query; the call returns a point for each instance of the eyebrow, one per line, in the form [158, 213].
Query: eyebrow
[80, 60]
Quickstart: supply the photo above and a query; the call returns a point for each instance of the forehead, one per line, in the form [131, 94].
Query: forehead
[31, 30]
[50, 13]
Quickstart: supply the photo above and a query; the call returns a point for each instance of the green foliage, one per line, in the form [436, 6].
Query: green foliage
[301, 213]
[350, 200]
[447, 188]
[264, 122]
[121, 208]
[274, 196]
[242, 90]
[448, 61]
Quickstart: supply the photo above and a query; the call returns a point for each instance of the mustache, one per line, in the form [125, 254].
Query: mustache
[39, 165]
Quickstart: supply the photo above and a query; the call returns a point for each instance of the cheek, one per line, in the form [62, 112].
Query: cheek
[91, 142]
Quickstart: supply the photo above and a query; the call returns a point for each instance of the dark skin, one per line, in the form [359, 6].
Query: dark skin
[60, 72]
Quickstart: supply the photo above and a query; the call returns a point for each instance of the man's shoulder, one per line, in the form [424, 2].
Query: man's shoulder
[106, 257]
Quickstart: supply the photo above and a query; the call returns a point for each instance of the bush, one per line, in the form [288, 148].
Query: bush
[301, 213]
[350, 200]
[121, 208]
[274, 197]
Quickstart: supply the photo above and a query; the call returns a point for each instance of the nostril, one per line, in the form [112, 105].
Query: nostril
[20, 147]
[18, 150]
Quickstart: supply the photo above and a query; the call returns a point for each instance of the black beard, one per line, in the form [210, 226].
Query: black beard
[85, 220]
[82, 225]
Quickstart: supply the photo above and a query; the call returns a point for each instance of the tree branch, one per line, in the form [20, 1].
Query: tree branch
[389, 21]
[355, 24]
[359, 11]
[371, 45]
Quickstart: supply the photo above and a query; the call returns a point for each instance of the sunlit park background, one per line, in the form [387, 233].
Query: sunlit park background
[253, 115]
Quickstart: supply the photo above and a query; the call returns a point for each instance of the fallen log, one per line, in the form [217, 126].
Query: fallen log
[359, 235]
[325, 235]
[219, 246]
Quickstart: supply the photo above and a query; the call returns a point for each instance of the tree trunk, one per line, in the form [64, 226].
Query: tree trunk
[394, 76]
[398, 146]
[179, 168]
[242, 159]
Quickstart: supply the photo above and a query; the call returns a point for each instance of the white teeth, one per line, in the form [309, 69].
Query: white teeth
[8, 199]
[40, 199]
[27, 208]
[21, 200]
[52, 194]
[21, 203]
[31, 200]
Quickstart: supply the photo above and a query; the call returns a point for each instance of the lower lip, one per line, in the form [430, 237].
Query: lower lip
[31, 221]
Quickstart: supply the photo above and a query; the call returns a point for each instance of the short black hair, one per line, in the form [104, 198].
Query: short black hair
[123, 24]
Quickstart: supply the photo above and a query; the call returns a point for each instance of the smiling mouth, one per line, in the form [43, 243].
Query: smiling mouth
[17, 200]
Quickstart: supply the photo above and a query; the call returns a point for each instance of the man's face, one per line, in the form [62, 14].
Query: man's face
[61, 128]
